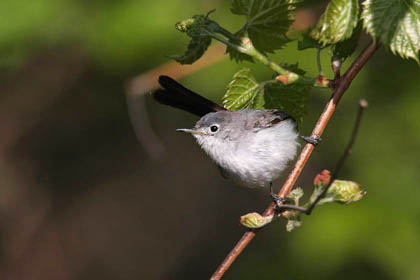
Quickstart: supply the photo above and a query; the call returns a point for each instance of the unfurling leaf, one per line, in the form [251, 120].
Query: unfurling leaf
[293, 224]
[196, 48]
[345, 191]
[337, 23]
[243, 91]
[295, 195]
[198, 28]
[255, 220]
[293, 219]
[267, 21]
[395, 23]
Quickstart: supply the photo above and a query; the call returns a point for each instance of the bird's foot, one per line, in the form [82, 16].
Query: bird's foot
[314, 140]
[278, 200]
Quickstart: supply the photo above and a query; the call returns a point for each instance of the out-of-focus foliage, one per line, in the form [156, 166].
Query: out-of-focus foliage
[81, 199]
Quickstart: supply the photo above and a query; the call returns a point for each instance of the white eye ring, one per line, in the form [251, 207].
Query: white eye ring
[214, 128]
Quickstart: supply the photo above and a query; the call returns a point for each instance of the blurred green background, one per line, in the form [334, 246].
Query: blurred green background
[82, 197]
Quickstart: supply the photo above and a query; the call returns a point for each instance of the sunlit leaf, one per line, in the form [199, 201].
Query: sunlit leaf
[241, 90]
[267, 21]
[337, 23]
[396, 23]
[245, 92]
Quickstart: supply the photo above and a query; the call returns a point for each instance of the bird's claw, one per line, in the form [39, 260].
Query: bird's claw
[278, 200]
[314, 140]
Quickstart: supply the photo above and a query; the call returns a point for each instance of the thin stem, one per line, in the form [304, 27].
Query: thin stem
[247, 47]
[318, 61]
[226, 33]
[341, 86]
[224, 41]
[292, 77]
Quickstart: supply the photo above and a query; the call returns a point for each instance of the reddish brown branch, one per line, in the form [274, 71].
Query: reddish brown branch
[340, 86]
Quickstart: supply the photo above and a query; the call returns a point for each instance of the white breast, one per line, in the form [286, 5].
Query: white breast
[259, 157]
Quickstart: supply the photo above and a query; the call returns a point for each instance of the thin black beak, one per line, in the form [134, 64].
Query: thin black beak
[191, 131]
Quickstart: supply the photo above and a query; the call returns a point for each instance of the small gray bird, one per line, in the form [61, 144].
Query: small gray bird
[251, 147]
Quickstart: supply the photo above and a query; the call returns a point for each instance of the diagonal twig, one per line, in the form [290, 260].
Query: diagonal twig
[340, 88]
[347, 152]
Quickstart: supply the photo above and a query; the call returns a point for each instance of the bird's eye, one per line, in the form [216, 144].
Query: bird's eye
[214, 128]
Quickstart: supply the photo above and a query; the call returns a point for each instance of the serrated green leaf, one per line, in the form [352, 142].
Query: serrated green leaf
[236, 55]
[258, 100]
[396, 23]
[293, 68]
[267, 21]
[346, 48]
[337, 23]
[199, 28]
[307, 42]
[196, 48]
[243, 91]
[292, 99]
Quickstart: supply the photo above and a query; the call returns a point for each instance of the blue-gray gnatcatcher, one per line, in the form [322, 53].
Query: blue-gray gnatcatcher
[251, 147]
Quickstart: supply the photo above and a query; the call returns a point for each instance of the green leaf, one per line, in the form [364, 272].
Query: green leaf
[293, 68]
[307, 42]
[199, 27]
[242, 91]
[196, 48]
[346, 48]
[396, 23]
[236, 55]
[245, 92]
[292, 99]
[337, 23]
[267, 21]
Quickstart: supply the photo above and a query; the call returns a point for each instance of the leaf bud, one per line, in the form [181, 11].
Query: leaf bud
[322, 179]
[255, 220]
[345, 191]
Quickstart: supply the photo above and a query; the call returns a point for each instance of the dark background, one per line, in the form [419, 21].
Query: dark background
[81, 197]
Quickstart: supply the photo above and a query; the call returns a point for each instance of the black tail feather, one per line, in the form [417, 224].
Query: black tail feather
[178, 96]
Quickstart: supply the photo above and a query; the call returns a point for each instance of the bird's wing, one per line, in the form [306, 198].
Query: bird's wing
[269, 118]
